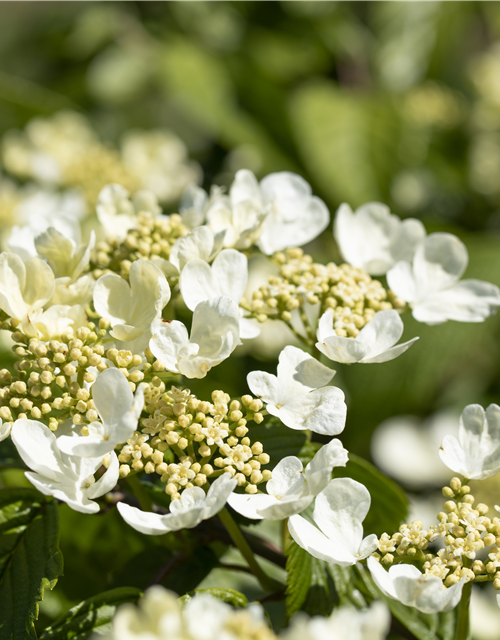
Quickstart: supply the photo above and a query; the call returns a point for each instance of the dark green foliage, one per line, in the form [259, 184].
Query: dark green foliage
[30, 559]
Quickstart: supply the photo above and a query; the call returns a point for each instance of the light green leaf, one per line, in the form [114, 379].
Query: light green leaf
[389, 505]
[30, 559]
[90, 615]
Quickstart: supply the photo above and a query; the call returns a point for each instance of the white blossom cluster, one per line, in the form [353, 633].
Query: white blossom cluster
[160, 616]
[95, 332]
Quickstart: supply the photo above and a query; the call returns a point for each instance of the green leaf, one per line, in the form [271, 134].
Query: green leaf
[278, 441]
[30, 559]
[309, 586]
[389, 505]
[185, 572]
[231, 596]
[92, 614]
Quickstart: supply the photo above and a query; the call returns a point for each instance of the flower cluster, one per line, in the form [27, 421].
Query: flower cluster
[187, 441]
[97, 396]
[161, 615]
[350, 292]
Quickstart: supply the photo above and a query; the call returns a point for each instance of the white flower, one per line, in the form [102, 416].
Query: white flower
[117, 212]
[38, 209]
[119, 411]
[406, 448]
[195, 203]
[25, 287]
[160, 159]
[405, 583]
[476, 453]
[227, 276]
[293, 217]
[67, 261]
[373, 239]
[292, 488]
[186, 512]
[240, 214]
[67, 478]
[338, 512]
[214, 336]
[374, 343]
[345, 623]
[431, 285]
[53, 322]
[131, 308]
[200, 243]
[294, 397]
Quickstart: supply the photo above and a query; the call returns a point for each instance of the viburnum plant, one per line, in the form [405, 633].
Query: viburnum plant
[99, 408]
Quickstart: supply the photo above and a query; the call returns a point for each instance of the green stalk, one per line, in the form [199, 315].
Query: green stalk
[462, 630]
[239, 540]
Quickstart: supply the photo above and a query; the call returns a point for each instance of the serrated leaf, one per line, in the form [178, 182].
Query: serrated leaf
[231, 596]
[30, 559]
[389, 505]
[309, 586]
[90, 615]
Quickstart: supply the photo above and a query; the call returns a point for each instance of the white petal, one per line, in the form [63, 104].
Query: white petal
[152, 524]
[390, 354]
[249, 505]
[381, 333]
[264, 385]
[364, 237]
[37, 447]
[218, 494]
[167, 340]
[112, 298]
[466, 301]
[339, 511]
[64, 491]
[318, 472]
[322, 411]
[301, 372]
[440, 260]
[249, 329]
[227, 276]
[150, 292]
[245, 187]
[341, 349]
[199, 243]
[108, 479]
[317, 544]
[382, 578]
[288, 506]
[325, 326]
[288, 478]
[112, 396]
[403, 244]
[212, 321]
[401, 281]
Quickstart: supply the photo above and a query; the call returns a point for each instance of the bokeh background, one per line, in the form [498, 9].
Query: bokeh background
[391, 101]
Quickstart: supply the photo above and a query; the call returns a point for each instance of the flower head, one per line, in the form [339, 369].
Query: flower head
[294, 397]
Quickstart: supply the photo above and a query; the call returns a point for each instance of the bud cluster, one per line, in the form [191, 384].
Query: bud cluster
[50, 381]
[153, 237]
[350, 292]
[465, 530]
[186, 441]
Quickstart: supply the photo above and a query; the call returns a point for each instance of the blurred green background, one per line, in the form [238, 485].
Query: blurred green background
[390, 101]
